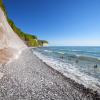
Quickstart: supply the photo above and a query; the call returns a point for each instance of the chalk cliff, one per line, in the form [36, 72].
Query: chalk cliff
[10, 43]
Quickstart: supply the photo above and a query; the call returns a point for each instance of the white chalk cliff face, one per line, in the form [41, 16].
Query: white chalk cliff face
[10, 43]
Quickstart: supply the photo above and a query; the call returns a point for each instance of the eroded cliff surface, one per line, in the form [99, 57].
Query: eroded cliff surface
[10, 43]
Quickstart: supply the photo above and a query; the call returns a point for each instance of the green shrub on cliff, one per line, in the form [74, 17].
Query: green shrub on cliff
[41, 42]
[33, 42]
[30, 40]
[22, 35]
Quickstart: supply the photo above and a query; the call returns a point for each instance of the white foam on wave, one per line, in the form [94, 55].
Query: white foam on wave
[70, 71]
[48, 51]
[77, 50]
[61, 52]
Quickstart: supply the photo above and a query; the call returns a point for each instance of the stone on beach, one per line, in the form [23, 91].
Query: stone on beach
[28, 78]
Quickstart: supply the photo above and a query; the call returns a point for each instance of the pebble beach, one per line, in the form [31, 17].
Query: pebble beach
[29, 78]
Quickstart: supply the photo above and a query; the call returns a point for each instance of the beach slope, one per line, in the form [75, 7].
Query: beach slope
[28, 78]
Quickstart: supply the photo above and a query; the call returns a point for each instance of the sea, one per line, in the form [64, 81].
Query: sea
[80, 63]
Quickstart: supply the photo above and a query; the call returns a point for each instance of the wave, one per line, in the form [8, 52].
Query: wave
[77, 56]
[48, 51]
[71, 71]
[61, 52]
[84, 57]
[77, 50]
[88, 58]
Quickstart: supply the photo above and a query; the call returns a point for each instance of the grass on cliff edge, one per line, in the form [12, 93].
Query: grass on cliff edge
[30, 40]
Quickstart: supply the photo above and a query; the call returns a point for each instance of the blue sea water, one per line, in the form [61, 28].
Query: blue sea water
[79, 63]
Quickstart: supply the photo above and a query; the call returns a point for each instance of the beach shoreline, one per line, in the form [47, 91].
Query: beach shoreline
[75, 84]
[33, 79]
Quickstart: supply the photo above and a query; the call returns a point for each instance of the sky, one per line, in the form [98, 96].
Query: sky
[60, 22]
